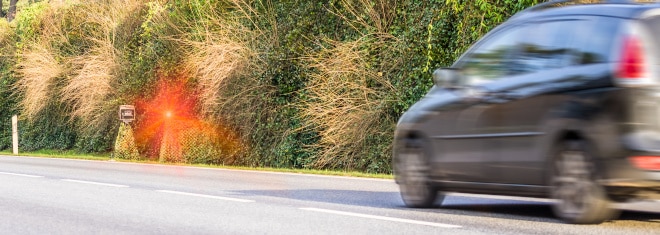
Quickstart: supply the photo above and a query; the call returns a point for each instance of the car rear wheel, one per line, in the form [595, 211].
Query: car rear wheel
[580, 199]
[416, 190]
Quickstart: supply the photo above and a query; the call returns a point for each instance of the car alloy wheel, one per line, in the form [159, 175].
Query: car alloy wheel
[580, 199]
[415, 188]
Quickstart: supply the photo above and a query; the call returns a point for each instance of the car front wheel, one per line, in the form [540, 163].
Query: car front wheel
[416, 190]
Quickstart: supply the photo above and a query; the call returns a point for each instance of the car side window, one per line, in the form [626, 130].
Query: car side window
[491, 59]
[547, 45]
[595, 40]
[538, 46]
[535, 49]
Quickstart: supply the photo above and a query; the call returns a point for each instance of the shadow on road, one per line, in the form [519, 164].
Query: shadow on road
[524, 210]
[640, 216]
[458, 205]
[529, 212]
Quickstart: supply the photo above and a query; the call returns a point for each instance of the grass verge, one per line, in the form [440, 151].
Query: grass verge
[107, 157]
[60, 154]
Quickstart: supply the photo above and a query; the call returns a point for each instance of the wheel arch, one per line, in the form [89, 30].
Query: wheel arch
[557, 138]
[409, 139]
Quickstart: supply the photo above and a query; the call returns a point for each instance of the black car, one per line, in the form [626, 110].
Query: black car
[561, 101]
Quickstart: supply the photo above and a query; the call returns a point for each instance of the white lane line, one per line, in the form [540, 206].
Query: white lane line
[96, 183]
[382, 218]
[205, 196]
[23, 175]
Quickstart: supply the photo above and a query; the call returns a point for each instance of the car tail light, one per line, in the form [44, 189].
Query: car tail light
[646, 162]
[632, 64]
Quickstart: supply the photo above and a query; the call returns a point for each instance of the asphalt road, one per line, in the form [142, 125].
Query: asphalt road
[58, 196]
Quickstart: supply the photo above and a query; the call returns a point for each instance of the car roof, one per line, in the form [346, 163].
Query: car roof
[620, 9]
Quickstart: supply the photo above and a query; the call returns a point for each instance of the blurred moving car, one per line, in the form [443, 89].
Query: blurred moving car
[561, 101]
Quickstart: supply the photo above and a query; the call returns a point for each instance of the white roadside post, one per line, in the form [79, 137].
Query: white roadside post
[14, 134]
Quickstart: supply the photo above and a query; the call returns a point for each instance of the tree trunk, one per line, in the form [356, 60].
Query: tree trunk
[11, 14]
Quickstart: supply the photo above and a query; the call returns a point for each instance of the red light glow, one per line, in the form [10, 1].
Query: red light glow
[646, 162]
[167, 121]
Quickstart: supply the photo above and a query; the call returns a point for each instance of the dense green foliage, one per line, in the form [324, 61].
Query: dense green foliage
[308, 84]
[125, 144]
[8, 102]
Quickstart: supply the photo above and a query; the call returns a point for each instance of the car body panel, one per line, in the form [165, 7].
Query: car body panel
[499, 136]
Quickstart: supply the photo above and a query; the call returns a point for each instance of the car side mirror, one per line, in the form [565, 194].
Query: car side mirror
[446, 77]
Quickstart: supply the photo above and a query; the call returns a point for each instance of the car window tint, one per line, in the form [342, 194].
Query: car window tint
[595, 39]
[544, 46]
[492, 58]
[564, 46]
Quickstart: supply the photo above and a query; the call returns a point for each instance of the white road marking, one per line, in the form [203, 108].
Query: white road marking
[382, 218]
[205, 196]
[96, 183]
[23, 175]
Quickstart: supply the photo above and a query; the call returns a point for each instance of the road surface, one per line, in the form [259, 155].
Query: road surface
[60, 196]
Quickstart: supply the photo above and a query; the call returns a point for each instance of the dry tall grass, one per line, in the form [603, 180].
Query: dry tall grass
[6, 52]
[348, 93]
[73, 60]
[37, 71]
[90, 90]
[223, 60]
[215, 61]
[373, 16]
[5, 30]
[89, 78]
[345, 101]
[37, 68]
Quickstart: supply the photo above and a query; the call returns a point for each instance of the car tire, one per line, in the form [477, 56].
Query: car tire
[416, 190]
[580, 199]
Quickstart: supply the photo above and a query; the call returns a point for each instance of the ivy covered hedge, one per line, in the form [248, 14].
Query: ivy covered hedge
[296, 84]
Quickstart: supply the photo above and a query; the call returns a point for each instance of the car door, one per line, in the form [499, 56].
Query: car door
[464, 154]
[551, 60]
[511, 124]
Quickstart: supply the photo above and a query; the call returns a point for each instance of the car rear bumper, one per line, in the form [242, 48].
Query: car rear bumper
[624, 180]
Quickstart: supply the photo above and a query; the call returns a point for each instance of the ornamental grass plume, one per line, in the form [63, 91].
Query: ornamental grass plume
[345, 102]
[38, 70]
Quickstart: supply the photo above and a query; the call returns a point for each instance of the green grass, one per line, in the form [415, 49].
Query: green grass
[106, 157]
[61, 154]
[304, 171]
